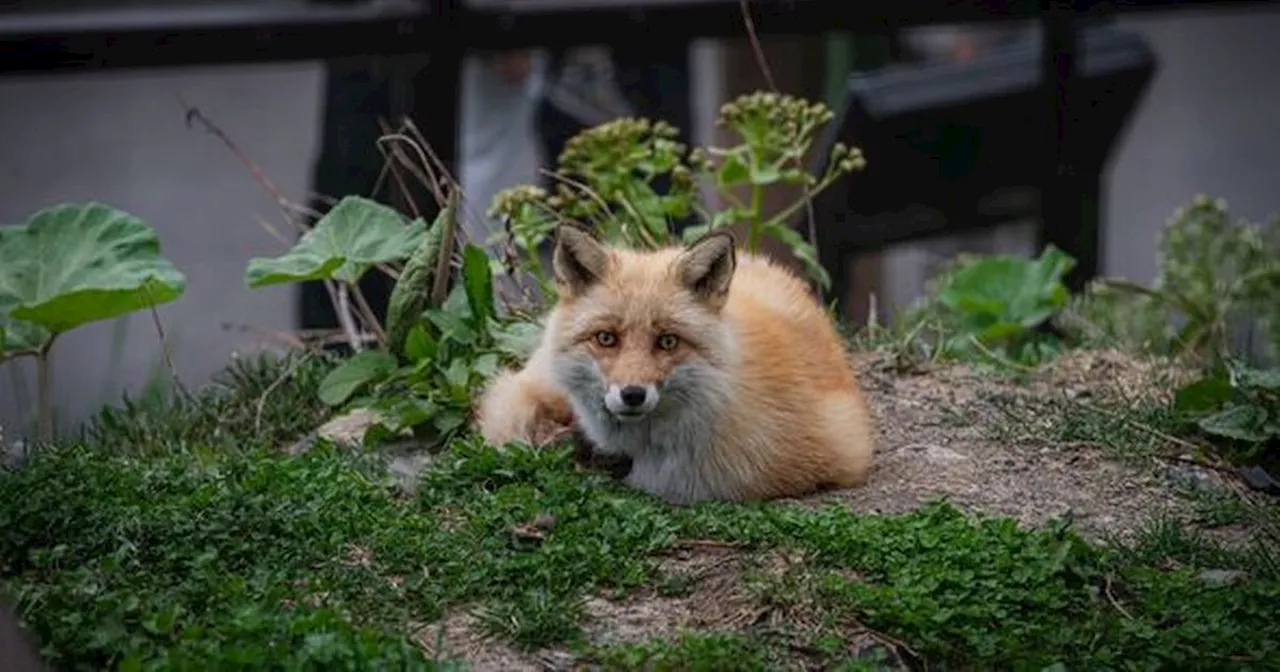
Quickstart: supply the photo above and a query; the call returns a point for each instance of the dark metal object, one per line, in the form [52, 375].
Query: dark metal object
[136, 35]
[160, 34]
[957, 147]
[1069, 208]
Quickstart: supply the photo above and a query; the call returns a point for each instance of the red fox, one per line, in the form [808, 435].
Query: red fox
[714, 371]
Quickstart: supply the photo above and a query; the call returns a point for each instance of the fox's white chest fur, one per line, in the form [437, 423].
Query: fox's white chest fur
[672, 450]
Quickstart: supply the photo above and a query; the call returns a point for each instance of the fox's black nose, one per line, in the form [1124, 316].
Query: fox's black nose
[633, 395]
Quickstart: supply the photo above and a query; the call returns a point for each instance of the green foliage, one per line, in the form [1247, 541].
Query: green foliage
[727, 652]
[70, 265]
[353, 236]
[215, 559]
[420, 380]
[985, 309]
[457, 348]
[412, 288]
[354, 373]
[619, 162]
[607, 175]
[1237, 405]
[73, 264]
[206, 561]
[265, 401]
[997, 303]
[1214, 275]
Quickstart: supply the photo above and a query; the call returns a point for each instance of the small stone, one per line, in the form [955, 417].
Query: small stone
[1222, 577]
[407, 468]
[349, 429]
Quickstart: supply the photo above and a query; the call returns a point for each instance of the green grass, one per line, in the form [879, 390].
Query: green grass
[221, 553]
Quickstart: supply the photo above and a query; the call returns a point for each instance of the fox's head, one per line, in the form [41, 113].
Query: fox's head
[640, 333]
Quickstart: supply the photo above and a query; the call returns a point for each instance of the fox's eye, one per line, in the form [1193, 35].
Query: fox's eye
[668, 341]
[606, 339]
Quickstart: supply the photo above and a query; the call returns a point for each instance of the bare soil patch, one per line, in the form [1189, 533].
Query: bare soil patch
[941, 435]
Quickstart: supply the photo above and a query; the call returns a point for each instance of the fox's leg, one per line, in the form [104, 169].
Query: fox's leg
[524, 406]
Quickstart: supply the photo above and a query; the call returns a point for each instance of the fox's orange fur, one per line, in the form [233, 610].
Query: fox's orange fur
[739, 387]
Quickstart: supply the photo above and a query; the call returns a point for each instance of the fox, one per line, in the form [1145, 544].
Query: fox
[715, 371]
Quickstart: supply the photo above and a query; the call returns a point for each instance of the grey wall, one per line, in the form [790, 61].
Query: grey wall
[1209, 124]
[120, 138]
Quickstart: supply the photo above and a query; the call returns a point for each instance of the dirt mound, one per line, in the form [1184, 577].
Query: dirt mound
[981, 441]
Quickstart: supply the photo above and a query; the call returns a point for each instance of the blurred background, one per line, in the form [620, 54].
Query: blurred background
[1205, 122]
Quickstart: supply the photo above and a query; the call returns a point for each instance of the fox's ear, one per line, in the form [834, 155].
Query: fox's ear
[580, 259]
[706, 267]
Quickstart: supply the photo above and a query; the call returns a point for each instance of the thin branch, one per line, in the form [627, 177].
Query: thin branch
[167, 353]
[756, 49]
[366, 311]
[1106, 589]
[44, 388]
[440, 283]
[344, 317]
[273, 231]
[431, 153]
[262, 400]
[424, 173]
[289, 207]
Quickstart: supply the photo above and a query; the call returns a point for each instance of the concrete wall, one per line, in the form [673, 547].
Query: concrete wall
[1208, 125]
[120, 138]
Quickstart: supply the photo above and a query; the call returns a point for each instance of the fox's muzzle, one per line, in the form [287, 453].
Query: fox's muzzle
[631, 402]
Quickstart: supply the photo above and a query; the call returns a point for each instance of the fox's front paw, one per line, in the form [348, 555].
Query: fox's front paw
[522, 426]
[508, 413]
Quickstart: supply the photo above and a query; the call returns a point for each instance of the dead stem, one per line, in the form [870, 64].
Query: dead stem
[440, 283]
[389, 165]
[167, 353]
[44, 388]
[285, 338]
[1106, 589]
[302, 339]
[262, 399]
[431, 153]
[578, 185]
[891, 642]
[287, 207]
[423, 173]
[1141, 426]
[750, 25]
[758, 51]
[272, 231]
[366, 311]
[344, 317]
[193, 114]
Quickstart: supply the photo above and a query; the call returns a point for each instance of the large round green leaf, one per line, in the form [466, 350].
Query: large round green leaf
[353, 236]
[1008, 289]
[72, 264]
